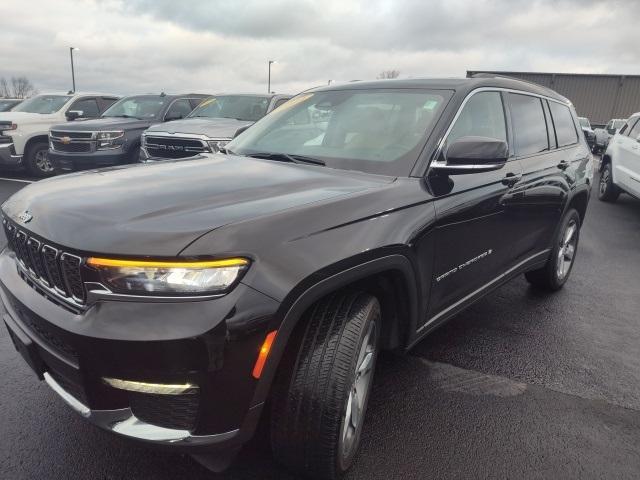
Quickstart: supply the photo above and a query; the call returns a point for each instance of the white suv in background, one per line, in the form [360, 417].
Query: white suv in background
[24, 131]
[620, 166]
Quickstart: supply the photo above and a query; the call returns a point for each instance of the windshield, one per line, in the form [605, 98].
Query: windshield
[250, 108]
[43, 104]
[584, 122]
[376, 131]
[142, 107]
[6, 105]
[618, 124]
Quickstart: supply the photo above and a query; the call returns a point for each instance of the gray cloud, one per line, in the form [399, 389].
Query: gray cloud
[138, 46]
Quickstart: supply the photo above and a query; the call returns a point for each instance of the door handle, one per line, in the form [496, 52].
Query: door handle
[510, 179]
[563, 165]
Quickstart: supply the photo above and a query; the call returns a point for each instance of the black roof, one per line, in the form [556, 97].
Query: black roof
[460, 85]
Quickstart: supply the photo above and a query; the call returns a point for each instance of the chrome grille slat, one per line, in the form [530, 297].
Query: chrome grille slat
[58, 270]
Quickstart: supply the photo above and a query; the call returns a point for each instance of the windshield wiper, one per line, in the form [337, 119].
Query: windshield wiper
[287, 157]
[121, 116]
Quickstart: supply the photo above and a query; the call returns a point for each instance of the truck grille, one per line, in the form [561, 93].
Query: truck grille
[56, 269]
[71, 142]
[175, 147]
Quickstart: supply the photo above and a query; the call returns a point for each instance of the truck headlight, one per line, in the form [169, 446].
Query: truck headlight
[148, 277]
[217, 145]
[110, 139]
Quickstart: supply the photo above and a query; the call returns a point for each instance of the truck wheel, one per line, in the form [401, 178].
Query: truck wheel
[553, 275]
[319, 406]
[37, 162]
[607, 190]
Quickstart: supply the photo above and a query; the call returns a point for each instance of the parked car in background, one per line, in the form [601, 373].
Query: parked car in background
[588, 132]
[7, 104]
[603, 135]
[209, 127]
[620, 165]
[114, 138]
[24, 130]
[171, 303]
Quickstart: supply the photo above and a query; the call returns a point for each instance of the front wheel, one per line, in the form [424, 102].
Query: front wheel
[318, 408]
[607, 190]
[37, 160]
[555, 273]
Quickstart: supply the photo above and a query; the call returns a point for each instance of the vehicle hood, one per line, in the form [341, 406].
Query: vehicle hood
[211, 127]
[20, 118]
[158, 209]
[108, 123]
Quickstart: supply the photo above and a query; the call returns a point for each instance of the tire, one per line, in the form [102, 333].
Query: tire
[555, 273]
[36, 161]
[315, 424]
[607, 190]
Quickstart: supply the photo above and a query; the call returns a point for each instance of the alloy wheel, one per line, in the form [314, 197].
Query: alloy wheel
[567, 250]
[42, 161]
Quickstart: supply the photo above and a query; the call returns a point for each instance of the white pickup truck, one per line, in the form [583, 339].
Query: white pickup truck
[603, 135]
[620, 165]
[24, 131]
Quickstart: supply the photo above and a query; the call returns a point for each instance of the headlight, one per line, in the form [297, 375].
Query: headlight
[217, 145]
[173, 277]
[110, 139]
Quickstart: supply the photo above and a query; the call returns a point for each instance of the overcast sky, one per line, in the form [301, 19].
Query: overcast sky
[136, 46]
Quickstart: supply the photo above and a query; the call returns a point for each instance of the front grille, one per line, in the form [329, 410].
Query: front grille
[175, 147]
[57, 270]
[73, 147]
[72, 135]
[169, 411]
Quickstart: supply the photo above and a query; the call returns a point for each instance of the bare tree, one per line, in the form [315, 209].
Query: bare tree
[385, 74]
[22, 87]
[4, 87]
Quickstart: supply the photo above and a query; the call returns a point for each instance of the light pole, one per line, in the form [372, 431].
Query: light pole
[73, 74]
[269, 78]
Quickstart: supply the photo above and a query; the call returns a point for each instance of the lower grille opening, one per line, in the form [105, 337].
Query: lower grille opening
[73, 388]
[170, 411]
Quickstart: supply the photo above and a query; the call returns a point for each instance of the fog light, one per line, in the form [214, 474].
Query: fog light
[155, 388]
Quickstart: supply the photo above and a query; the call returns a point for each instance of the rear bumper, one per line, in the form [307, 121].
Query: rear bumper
[86, 161]
[8, 157]
[145, 342]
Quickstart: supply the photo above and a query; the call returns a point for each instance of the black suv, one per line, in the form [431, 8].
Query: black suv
[114, 139]
[171, 302]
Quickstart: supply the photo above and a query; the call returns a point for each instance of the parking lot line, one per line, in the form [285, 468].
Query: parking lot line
[17, 180]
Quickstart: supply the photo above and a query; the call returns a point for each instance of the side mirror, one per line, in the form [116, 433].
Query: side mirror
[74, 115]
[473, 155]
[173, 116]
[240, 130]
[612, 131]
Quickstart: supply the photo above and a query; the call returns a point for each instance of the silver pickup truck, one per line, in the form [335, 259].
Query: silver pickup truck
[603, 135]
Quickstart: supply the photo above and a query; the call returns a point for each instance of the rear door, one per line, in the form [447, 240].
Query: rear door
[473, 229]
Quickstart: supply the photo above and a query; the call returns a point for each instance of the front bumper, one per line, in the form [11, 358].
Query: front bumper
[146, 342]
[8, 157]
[72, 162]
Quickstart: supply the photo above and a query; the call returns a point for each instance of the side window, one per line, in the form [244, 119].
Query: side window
[564, 124]
[178, 109]
[280, 102]
[626, 129]
[635, 131]
[106, 102]
[529, 126]
[482, 116]
[88, 107]
[195, 102]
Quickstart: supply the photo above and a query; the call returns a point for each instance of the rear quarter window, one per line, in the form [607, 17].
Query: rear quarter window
[529, 125]
[563, 123]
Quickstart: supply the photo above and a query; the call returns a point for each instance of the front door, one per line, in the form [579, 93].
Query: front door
[473, 230]
[627, 165]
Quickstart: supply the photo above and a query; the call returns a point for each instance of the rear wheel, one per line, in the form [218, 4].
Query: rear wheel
[319, 407]
[554, 274]
[607, 190]
[37, 160]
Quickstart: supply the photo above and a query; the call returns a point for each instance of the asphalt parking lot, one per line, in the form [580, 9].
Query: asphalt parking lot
[521, 385]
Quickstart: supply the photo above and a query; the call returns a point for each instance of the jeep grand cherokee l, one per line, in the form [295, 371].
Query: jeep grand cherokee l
[209, 127]
[114, 139]
[169, 302]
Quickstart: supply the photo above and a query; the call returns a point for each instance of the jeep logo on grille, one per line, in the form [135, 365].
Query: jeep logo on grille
[25, 217]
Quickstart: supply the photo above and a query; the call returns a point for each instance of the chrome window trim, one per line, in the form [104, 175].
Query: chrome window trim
[442, 165]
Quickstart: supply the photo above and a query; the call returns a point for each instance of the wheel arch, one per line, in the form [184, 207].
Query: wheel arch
[579, 201]
[390, 278]
[33, 140]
